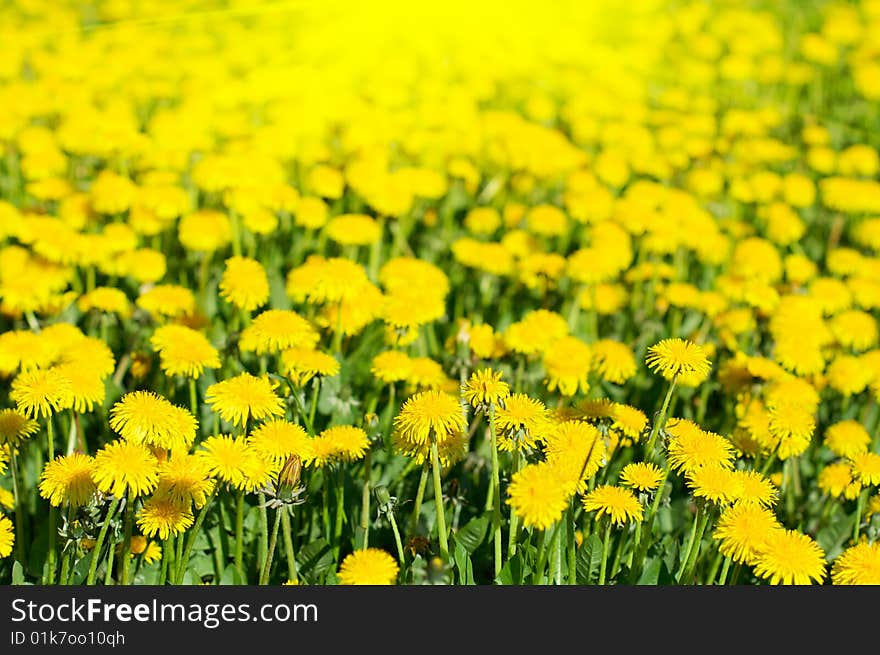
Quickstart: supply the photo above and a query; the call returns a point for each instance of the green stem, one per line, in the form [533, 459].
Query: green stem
[397, 542]
[420, 495]
[538, 574]
[722, 579]
[193, 398]
[19, 515]
[695, 549]
[605, 543]
[340, 511]
[166, 559]
[660, 421]
[860, 508]
[316, 387]
[270, 554]
[102, 535]
[125, 555]
[53, 530]
[191, 537]
[496, 494]
[263, 546]
[239, 531]
[288, 547]
[365, 503]
[438, 501]
[572, 546]
[513, 530]
[66, 562]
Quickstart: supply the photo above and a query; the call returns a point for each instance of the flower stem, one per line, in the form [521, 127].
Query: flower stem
[538, 574]
[340, 511]
[438, 501]
[191, 537]
[125, 555]
[513, 530]
[288, 547]
[102, 535]
[572, 546]
[273, 539]
[694, 553]
[398, 543]
[239, 531]
[660, 421]
[50, 556]
[496, 492]
[605, 544]
[722, 579]
[19, 516]
[263, 545]
[67, 559]
[860, 508]
[420, 495]
[193, 398]
[365, 503]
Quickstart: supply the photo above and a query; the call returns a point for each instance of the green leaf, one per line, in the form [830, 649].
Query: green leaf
[315, 559]
[17, 573]
[463, 565]
[651, 572]
[231, 576]
[512, 571]
[589, 559]
[472, 534]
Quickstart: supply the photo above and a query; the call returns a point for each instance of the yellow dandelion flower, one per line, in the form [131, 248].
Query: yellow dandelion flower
[87, 388]
[754, 488]
[790, 557]
[330, 280]
[369, 566]
[567, 362]
[277, 440]
[629, 420]
[577, 450]
[41, 392]
[244, 397]
[858, 565]
[185, 479]
[691, 448]
[742, 529]
[618, 504]
[229, 459]
[716, 484]
[244, 283]
[521, 421]
[538, 495]
[7, 536]
[535, 332]
[866, 468]
[391, 366]
[164, 517]
[152, 553]
[275, 330]
[302, 364]
[145, 417]
[339, 443]
[354, 230]
[835, 479]
[430, 414]
[167, 301]
[485, 387]
[643, 476]
[673, 357]
[847, 438]
[7, 499]
[105, 299]
[68, 479]
[614, 361]
[184, 351]
[125, 467]
[15, 428]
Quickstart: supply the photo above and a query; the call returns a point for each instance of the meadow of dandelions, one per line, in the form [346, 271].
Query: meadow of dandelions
[315, 293]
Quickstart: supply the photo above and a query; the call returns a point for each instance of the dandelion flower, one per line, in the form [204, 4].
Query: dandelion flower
[643, 476]
[614, 361]
[244, 283]
[41, 392]
[567, 362]
[277, 440]
[754, 488]
[836, 479]
[7, 536]
[152, 553]
[163, 517]
[538, 495]
[15, 428]
[691, 448]
[86, 387]
[143, 416]
[520, 422]
[368, 566]
[629, 420]
[185, 479]
[339, 443]
[858, 565]
[391, 366]
[354, 230]
[184, 351]
[485, 387]
[618, 504]
[229, 459]
[674, 357]
[715, 484]
[125, 466]
[68, 479]
[847, 438]
[866, 468]
[790, 557]
[275, 330]
[535, 332]
[244, 397]
[577, 450]
[302, 364]
[430, 414]
[742, 529]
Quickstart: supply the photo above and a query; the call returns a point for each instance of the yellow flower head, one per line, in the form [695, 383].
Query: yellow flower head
[369, 566]
[184, 351]
[742, 529]
[427, 415]
[7, 536]
[275, 330]
[15, 428]
[277, 440]
[244, 283]
[41, 392]
[145, 417]
[790, 557]
[162, 517]
[674, 357]
[125, 466]
[302, 364]
[345, 443]
[68, 479]
[485, 387]
[857, 565]
[618, 504]
[244, 397]
[538, 495]
[643, 476]
[577, 451]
